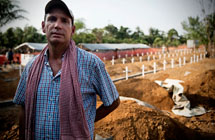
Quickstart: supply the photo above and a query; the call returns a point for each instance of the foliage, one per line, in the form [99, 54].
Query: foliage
[15, 36]
[195, 29]
[9, 10]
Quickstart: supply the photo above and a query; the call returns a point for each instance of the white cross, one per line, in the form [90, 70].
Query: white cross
[164, 65]
[179, 62]
[154, 67]
[143, 70]
[172, 63]
[126, 72]
[112, 61]
[141, 58]
[184, 60]
[123, 61]
[132, 60]
[148, 58]
[194, 58]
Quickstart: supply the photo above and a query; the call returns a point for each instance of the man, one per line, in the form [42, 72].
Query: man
[58, 88]
[9, 56]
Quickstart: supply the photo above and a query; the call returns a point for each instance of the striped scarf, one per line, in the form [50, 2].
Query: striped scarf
[73, 124]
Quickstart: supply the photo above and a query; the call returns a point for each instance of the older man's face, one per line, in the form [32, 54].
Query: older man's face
[58, 27]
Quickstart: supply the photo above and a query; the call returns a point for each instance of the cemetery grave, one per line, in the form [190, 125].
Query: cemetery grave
[132, 121]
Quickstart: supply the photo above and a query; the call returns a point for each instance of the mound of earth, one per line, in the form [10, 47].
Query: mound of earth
[131, 121]
[8, 80]
[147, 91]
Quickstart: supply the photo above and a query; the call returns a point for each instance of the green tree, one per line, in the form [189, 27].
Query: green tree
[10, 10]
[9, 38]
[172, 38]
[209, 21]
[30, 34]
[195, 29]
[137, 36]
[158, 42]
[123, 33]
[112, 30]
[79, 26]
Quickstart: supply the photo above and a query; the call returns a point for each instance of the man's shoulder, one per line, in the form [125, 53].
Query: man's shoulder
[30, 62]
[88, 57]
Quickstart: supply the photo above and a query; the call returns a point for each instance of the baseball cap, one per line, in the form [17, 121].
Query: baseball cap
[59, 4]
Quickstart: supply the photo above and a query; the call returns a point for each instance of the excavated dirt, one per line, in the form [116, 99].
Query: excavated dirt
[131, 121]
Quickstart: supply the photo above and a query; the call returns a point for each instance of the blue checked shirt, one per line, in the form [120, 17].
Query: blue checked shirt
[94, 80]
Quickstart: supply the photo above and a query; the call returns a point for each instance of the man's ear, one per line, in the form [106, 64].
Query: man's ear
[73, 30]
[43, 26]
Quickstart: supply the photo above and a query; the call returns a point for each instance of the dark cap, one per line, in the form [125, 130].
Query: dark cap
[52, 4]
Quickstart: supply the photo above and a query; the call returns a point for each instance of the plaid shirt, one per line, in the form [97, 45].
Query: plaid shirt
[94, 80]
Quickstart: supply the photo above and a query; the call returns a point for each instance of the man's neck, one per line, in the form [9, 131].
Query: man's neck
[57, 51]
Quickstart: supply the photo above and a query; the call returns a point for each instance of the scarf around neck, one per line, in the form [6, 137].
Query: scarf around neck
[73, 124]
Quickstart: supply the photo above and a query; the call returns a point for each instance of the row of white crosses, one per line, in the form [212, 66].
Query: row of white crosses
[148, 56]
[192, 60]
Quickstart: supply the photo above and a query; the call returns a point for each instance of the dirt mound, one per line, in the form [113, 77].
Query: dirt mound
[147, 91]
[201, 90]
[131, 121]
[8, 81]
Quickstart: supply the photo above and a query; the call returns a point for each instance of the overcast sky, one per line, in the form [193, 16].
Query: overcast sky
[160, 14]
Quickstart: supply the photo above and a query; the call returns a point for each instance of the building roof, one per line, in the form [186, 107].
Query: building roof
[91, 47]
[106, 47]
[33, 46]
